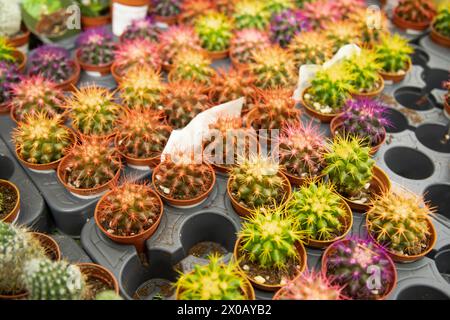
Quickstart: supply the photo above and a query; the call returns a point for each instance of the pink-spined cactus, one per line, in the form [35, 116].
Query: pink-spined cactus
[166, 8]
[321, 12]
[346, 8]
[96, 46]
[51, 62]
[141, 29]
[137, 53]
[285, 25]
[246, 42]
[9, 75]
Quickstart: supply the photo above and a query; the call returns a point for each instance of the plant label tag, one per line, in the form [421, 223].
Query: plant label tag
[413, 32]
[94, 74]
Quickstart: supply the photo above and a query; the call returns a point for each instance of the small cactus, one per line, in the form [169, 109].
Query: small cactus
[192, 65]
[285, 25]
[96, 47]
[141, 29]
[393, 52]
[364, 68]
[166, 8]
[214, 30]
[138, 52]
[321, 12]
[9, 75]
[417, 11]
[310, 47]
[6, 51]
[108, 295]
[10, 18]
[191, 9]
[342, 33]
[250, 14]
[245, 42]
[442, 22]
[346, 8]
[52, 63]
[273, 7]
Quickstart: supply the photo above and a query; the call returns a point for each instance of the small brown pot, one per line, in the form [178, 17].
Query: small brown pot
[96, 272]
[21, 39]
[133, 3]
[167, 20]
[439, 38]
[217, 55]
[150, 162]
[336, 123]
[395, 78]
[5, 107]
[184, 203]
[10, 217]
[94, 22]
[402, 258]
[245, 211]
[372, 94]
[103, 69]
[297, 181]
[405, 24]
[324, 270]
[313, 112]
[69, 84]
[267, 287]
[21, 59]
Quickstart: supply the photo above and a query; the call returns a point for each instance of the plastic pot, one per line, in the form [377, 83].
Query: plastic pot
[94, 22]
[323, 117]
[93, 70]
[372, 94]
[21, 40]
[96, 272]
[405, 24]
[439, 38]
[217, 55]
[12, 215]
[394, 77]
[267, 287]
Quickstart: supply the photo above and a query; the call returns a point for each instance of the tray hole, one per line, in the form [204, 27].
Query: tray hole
[431, 136]
[422, 292]
[442, 260]
[438, 195]
[6, 167]
[398, 121]
[413, 98]
[409, 163]
[420, 57]
[434, 78]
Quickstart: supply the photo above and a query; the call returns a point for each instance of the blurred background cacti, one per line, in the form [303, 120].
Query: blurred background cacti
[96, 46]
[286, 25]
[418, 11]
[138, 52]
[51, 62]
[276, 6]
[94, 8]
[310, 47]
[9, 75]
[247, 41]
[166, 8]
[215, 31]
[176, 39]
[6, 51]
[442, 21]
[141, 29]
[192, 65]
[250, 14]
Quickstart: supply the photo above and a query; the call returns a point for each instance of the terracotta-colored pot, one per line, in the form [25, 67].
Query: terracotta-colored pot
[248, 291]
[103, 69]
[313, 112]
[96, 272]
[5, 107]
[268, 287]
[402, 258]
[21, 59]
[245, 211]
[167, 20]
[11, 216]
[297, 181]
[217, 55]
[405, 24]
[439, 38]
[337, 122]
[133, 3]
[236, 64]
[21, 39]
[94, 22]
[184, 203]
[324, 269]
[372, 94]
[395, 78]
[70, 84]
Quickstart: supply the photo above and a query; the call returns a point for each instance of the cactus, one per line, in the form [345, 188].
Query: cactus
[366, 119]
[250, 14]
[92, 163]
[192, 65]
[442, 21]
[176, 39]
[285, 25]
[129, 209]
[417, 11]
[10, 18]
[35, 94]
[364, 68]
[17, 246]
[96, 46]
[330, 89]
[301, 150]
[321, 13]
[52, 63]
[399, 221]
[191, 9]
[350, 264]
[255, 182]
[108, 295]
[309, 286]
[310, 47]
[183, 179]
[342, 33]
[183, 101]
[141, 134]
[320, 212]
[54, 280]
[269, 236]
[346, 8]
[370, 28]
[141, 29]
[245, 42]
[214, 281]
[166, 8]
[9, 75]
[93, 111]
[6, 51]
[93, 8]
[349, 165]
[276, 6]
[273, 67]
[214, 30]
[42, 139]
[393, 53]
[142, 87]
[138, 52]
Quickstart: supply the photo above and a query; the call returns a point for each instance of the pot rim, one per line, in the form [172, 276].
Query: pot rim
[16, 208]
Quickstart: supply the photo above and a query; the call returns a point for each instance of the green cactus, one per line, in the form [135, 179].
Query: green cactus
[364, 68]
[276, 6]
[10, 18]
[349, 165]
[393, 53]
[250, 14]
[6, 51]
[310, 47]
[54, 280]
[108, 295]
[17, 246]
[214, 281]
[442, 21]
[214, 30]
[192, 65]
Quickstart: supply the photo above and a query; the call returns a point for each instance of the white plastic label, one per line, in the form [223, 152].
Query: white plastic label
[123, 16]
[94, 74]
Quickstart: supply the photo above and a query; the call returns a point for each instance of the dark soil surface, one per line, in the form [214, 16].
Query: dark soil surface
[205, 249]
[96, 286]
[8, 199]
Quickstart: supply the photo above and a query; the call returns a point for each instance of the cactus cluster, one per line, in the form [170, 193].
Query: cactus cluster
[141, 29]
[93, 110]
[138, 52]
[183, 100]
[213, 281]
[96, 47]
[301, 150]
[286, 25]
[52, 63]
[348, 165]
[250, 14]
[10, 18]
[42, 139]
[442, 21]
[129, 209]
[273, 7]
[176, 39]
[191, 9]
[255, 182]
[364, 68]
[245, 42]
[142, 87]
[399, 221]
[366, 119]
[35, 94]
[214, 30]
[418, 11]
[321, 13]
[91, 164]
[9, 75]
[17, 247]
[393, 52]
[141, 134]
[350, 264]
[310, 47]
[273, 67]
[320, 211]
[342, 33]
[166, 8]
[6, 51]
[192, 65]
